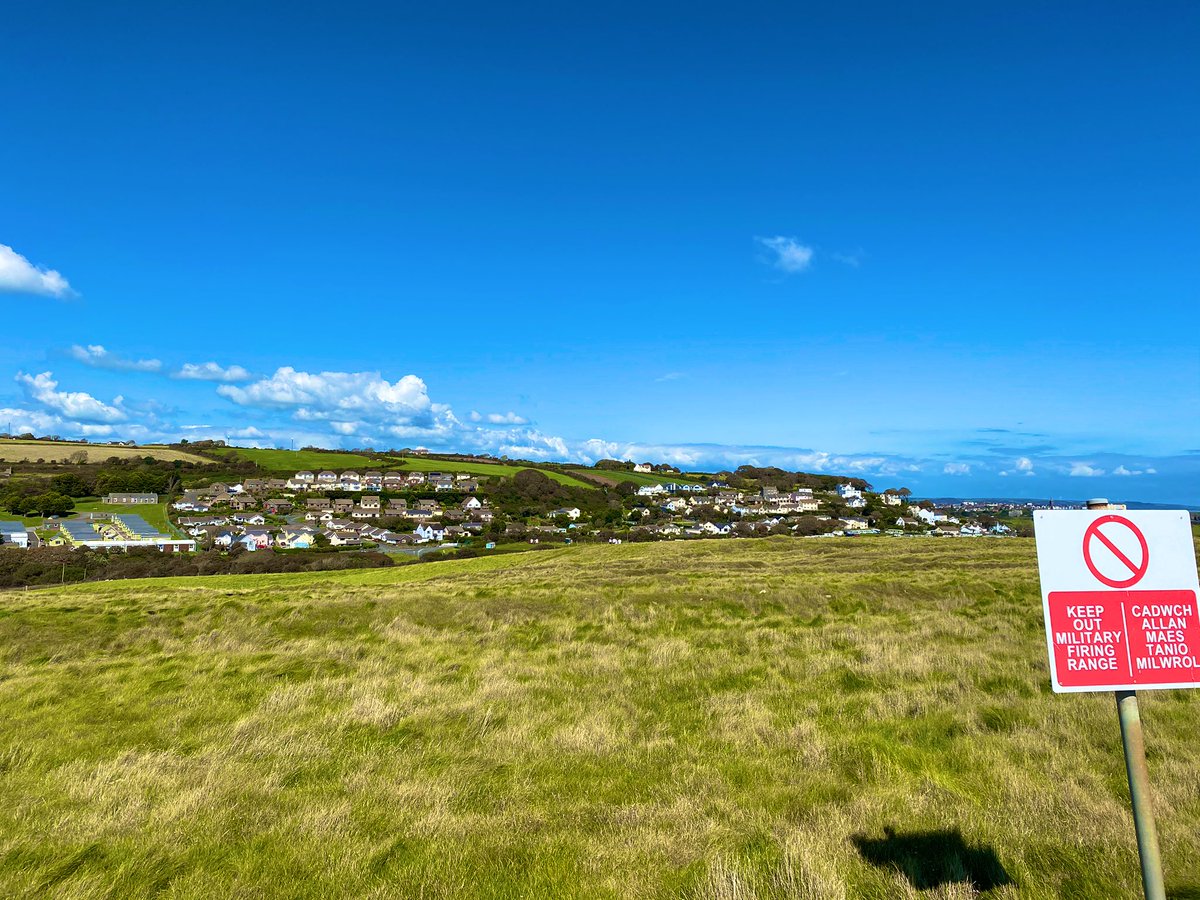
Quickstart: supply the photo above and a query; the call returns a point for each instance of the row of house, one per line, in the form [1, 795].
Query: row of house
[380, 481]
[338, 534]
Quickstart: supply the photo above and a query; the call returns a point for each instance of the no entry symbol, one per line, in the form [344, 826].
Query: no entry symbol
[1105, 558]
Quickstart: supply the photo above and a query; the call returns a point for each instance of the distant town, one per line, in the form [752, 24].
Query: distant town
[207, 498]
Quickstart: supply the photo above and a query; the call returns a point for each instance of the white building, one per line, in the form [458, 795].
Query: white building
[14, 534]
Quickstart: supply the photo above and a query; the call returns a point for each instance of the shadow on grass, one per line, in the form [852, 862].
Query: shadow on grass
[1184, 892]
[932, 858]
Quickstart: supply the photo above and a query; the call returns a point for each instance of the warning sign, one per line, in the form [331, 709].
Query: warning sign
[1120, 599]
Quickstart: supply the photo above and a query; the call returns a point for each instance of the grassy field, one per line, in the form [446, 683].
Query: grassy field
[724, 719]
[315, 460]
[432, 464]
[14, 451]
[639, 478]
[291, 461]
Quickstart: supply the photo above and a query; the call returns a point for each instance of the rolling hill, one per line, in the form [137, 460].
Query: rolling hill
[17, 451]
[288, 461]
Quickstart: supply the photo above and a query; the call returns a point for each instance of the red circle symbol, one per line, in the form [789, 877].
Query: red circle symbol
[1094, 535]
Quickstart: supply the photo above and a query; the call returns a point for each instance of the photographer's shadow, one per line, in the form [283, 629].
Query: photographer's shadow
[930, 859]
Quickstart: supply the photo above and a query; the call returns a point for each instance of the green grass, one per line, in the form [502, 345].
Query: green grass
[291, 461]
[718, 719]
[640, 478]
[434, 464]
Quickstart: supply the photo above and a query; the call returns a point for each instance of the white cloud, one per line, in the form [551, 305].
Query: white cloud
[1122, 470]
[77, 405]
[333, 395]
[19, 276]
[39, 422]
[508, 418]
[95, 355]
[790, 255]
[670, 376]
[210, 371]
[1023, 465]
[956, 469]
[1084, 470]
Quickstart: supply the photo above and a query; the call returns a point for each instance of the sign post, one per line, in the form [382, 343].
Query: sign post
[1119, 595]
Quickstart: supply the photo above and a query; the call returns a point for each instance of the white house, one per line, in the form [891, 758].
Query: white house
[429, 533]
[643, 467]
[891, 499]
[571, 512]
[650, 490]
[14, 533]
[848, 491]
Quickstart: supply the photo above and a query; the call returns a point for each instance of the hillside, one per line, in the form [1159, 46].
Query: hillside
[290, 461]
[760, 718]
[609, 476]
[18, 451]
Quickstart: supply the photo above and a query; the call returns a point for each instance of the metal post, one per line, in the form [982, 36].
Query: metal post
[1139, 794]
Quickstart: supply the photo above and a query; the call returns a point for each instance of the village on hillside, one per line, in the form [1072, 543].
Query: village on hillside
[413, 511]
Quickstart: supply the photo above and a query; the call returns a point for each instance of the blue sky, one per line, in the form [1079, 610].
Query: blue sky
[951, 248]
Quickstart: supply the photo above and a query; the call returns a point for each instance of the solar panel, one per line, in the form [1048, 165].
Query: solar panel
[137, 526]
[79, 530]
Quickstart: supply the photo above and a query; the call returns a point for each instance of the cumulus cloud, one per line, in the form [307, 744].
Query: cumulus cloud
[508, 418]
[40, 422]
[1023, 466]
[1084, 470]
[789, 254]
[1122, 470]
[337, 396]
[95, 355]
[19, 276]
[75, 405]
[210, 371]
[957, 468]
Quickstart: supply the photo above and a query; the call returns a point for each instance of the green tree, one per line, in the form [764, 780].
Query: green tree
[71, 485]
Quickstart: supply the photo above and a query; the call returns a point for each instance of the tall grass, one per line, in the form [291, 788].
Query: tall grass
[719, 719]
